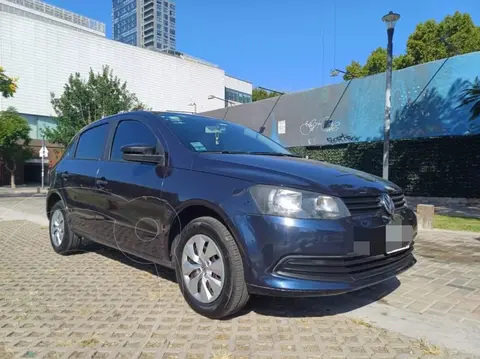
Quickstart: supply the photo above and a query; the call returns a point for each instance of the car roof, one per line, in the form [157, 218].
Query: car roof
[143, 112]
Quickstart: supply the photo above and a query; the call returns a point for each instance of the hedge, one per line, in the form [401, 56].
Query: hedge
[437, 167]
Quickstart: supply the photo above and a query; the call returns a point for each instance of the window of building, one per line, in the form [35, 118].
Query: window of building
[237, 96]
[91, 143]
[129, 133]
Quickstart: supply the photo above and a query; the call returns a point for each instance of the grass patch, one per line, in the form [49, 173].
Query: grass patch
[428, 349]
[222, 355]
[89, 342]
[456, 223]
[362, 322]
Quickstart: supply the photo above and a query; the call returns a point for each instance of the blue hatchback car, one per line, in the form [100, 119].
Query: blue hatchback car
[231, 211]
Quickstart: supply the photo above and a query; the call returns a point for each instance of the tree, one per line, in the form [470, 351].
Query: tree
[86, 101]
[455, 34]
[472, 96]
[8, 85]
[261, 94]
[14, 141]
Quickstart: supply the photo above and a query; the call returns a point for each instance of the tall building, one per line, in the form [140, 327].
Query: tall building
[145, 23]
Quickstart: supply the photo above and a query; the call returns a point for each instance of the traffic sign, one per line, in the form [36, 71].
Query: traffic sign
[43, 153]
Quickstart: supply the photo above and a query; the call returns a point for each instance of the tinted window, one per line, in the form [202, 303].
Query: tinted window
[204, 134]
[68, 153]
[131, 133]
[92, 142]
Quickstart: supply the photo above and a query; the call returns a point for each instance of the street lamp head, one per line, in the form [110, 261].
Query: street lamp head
[211, 97]
[334, 73]
[391, 19]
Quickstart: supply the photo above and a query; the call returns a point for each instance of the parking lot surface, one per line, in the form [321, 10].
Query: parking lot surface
[102, 303]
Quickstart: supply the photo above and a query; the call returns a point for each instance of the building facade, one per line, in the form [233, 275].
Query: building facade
[237, 91]
[145, 23]
[41, 11]
[43, 54]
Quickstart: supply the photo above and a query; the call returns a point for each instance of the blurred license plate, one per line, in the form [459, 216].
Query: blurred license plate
[398, 237]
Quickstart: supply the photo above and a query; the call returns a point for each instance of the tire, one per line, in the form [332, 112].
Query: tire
[69, 243]
[234, 294]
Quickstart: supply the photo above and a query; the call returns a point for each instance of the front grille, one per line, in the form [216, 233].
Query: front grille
[346, 269]
[371, 204]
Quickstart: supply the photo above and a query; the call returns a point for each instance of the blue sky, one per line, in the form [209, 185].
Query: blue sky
[287, 45]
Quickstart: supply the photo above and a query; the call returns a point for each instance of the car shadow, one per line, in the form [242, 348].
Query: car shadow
[132, 261]
[272, 306]
[320, 306]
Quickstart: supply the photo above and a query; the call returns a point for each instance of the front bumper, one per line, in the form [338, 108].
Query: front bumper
[304, 276]
[299, 257]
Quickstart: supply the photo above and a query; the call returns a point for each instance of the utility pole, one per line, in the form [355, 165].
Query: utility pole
[42, 151]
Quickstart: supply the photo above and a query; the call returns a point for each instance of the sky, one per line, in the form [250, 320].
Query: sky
[287, 45]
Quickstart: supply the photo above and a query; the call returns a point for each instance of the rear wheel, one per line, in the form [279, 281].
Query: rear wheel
[61, 237]
[209, 268]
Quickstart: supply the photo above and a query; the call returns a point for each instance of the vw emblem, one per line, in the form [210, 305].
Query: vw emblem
[387, 202]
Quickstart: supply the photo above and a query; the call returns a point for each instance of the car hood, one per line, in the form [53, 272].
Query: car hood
[294, 172]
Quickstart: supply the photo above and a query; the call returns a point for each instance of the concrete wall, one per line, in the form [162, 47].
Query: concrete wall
[425, 102]
[43, 56]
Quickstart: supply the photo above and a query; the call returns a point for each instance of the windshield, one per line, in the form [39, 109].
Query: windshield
[202, 134]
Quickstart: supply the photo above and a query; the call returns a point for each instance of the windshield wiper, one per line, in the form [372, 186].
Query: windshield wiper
[273, 154]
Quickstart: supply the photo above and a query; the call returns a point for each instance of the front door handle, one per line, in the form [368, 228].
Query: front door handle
[102, 182]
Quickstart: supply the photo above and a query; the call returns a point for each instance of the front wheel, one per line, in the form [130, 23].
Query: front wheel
[209, 268]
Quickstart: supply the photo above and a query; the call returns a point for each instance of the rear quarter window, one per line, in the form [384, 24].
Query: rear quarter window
[91, 143]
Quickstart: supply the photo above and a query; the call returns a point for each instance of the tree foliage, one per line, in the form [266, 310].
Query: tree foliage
[471, 97]
[261, 94]
[455, 35]
[8, 85]
[14, 141]
[85, 101]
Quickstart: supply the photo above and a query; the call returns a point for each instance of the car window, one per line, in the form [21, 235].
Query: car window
[202, 134]
[68, 153]
[130, 133]
[92, 143]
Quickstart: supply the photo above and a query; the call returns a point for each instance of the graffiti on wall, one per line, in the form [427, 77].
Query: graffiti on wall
[425, 100]
[326, 125]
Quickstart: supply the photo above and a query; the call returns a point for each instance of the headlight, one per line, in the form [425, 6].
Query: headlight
[287, 202]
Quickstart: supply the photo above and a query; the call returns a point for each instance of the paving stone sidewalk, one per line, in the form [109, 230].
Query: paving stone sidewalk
[103, 304]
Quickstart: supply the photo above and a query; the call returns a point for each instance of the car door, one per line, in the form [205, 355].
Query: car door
[133, 205]
[79, 176]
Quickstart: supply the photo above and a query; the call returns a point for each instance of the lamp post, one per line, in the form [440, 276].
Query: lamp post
[211, 97]
[390, 20]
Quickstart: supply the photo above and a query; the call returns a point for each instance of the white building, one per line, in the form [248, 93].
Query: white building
[35, 9]
[43, 54]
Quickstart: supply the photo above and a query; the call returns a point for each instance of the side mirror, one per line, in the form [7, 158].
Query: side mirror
[142, 153]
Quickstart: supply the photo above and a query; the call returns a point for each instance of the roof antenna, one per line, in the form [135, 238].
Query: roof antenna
[262, 128]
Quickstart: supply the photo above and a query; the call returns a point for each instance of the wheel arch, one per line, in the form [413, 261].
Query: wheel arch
[198, 208]
[52, 198]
